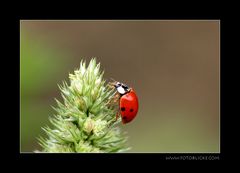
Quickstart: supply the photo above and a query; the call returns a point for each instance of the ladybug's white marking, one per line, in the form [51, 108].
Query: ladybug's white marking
[121, 90]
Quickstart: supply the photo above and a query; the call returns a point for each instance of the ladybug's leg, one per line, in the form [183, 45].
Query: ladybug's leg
[114, 100]
[113, 121]
[117, 116]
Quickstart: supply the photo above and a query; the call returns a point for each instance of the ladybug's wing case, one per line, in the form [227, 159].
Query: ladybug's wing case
[128, 106]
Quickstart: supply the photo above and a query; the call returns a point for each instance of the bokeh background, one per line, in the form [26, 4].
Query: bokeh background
[172, 65]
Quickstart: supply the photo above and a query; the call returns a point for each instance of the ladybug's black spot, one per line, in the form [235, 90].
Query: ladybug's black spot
[131, 110]
[124, 118]
[122, 108]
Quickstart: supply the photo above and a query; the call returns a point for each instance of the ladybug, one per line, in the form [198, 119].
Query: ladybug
[128, 102]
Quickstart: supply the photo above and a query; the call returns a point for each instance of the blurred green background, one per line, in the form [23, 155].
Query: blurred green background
[172, 65]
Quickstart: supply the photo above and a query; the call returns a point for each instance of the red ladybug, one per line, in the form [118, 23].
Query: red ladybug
[128, 103]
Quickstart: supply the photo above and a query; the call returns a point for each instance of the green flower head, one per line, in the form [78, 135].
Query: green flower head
[84, 120]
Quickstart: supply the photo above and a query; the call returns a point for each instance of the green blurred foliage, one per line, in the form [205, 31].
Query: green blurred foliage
[38, 77]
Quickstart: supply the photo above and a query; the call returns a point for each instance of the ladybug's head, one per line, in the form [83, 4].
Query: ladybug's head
[121, 88]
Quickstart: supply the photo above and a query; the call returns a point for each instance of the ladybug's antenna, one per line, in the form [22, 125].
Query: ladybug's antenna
[112, 83]
[113, 79]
